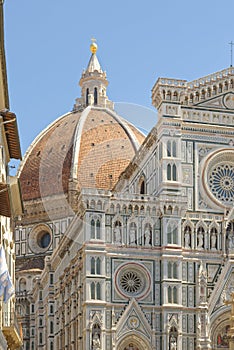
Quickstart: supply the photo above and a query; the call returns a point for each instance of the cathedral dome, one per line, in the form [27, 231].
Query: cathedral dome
[90, 146]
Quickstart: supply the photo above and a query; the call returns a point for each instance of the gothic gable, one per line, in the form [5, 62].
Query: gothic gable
[223, 288]
[133, 320]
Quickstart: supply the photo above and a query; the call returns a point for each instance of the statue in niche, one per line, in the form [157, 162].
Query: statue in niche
[230, 241]
[132, 235]
[117, 234]
[187, 239]
[213, 241]
[173, 343]
[147, 236]
[96, 342]
[200, 239]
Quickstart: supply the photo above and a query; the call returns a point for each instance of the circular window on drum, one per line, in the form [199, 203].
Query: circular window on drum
[132, 280]
[218, 177]
[40, 238]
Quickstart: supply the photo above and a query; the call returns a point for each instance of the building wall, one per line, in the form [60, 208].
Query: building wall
[150, 264]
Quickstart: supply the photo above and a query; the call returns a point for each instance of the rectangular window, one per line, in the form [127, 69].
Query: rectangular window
[51, 278]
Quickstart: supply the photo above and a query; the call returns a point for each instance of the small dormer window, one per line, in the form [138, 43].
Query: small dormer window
[95, 96]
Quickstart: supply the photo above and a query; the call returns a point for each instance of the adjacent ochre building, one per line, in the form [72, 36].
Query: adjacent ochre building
[127, 242]
[10, 208]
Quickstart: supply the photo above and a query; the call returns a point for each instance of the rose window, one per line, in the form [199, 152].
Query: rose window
[221, 182]
[131, 282]
[218, 178]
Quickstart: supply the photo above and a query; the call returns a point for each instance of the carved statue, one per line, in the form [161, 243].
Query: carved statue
[132, 236]
[96, 342]
[173, 343]
[200, 239]
[230, 241]
[147, 236]
[117, 235]
[213, 241]
[187, 239]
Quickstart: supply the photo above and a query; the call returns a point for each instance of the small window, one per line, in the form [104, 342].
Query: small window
[51, 309]
[32, 308]
[40, 338]
[98, 288]
[169, 148]
[92, 266]
[174, 149]
[93, 291]
[174, 172]
[169, 172]
[169, 295]
[98, 266]
[98, 231]
[51, 279]
[51, 327]
[87, 97]
[95, 96]
[92, 228]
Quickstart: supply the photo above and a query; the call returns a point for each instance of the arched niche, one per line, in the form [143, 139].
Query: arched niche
[133, 342]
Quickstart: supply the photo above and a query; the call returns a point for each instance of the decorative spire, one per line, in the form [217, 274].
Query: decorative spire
[93, 83]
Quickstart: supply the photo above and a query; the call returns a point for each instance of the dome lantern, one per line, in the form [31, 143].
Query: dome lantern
[93, 84]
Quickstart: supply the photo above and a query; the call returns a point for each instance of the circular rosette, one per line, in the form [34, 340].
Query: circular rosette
[132, 280]
[218, 177]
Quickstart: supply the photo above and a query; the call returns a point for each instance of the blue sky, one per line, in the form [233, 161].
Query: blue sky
[47, 47]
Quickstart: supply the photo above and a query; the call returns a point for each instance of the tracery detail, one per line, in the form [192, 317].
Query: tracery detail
[221, 182]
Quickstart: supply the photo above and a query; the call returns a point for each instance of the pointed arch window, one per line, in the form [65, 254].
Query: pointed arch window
[95, 229]
[95, 96]
[171, 172]
[169, 272]
[174, 173]
[93, 290]
[169, 148]
[175, 301]
[169, 295]
[92, 228]
[172, 234]
[172, 269]
[174, 149]
[98, 291]
[95, 266]
[98, 229]
[98, 266]
[172, 295]
[93, 263]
